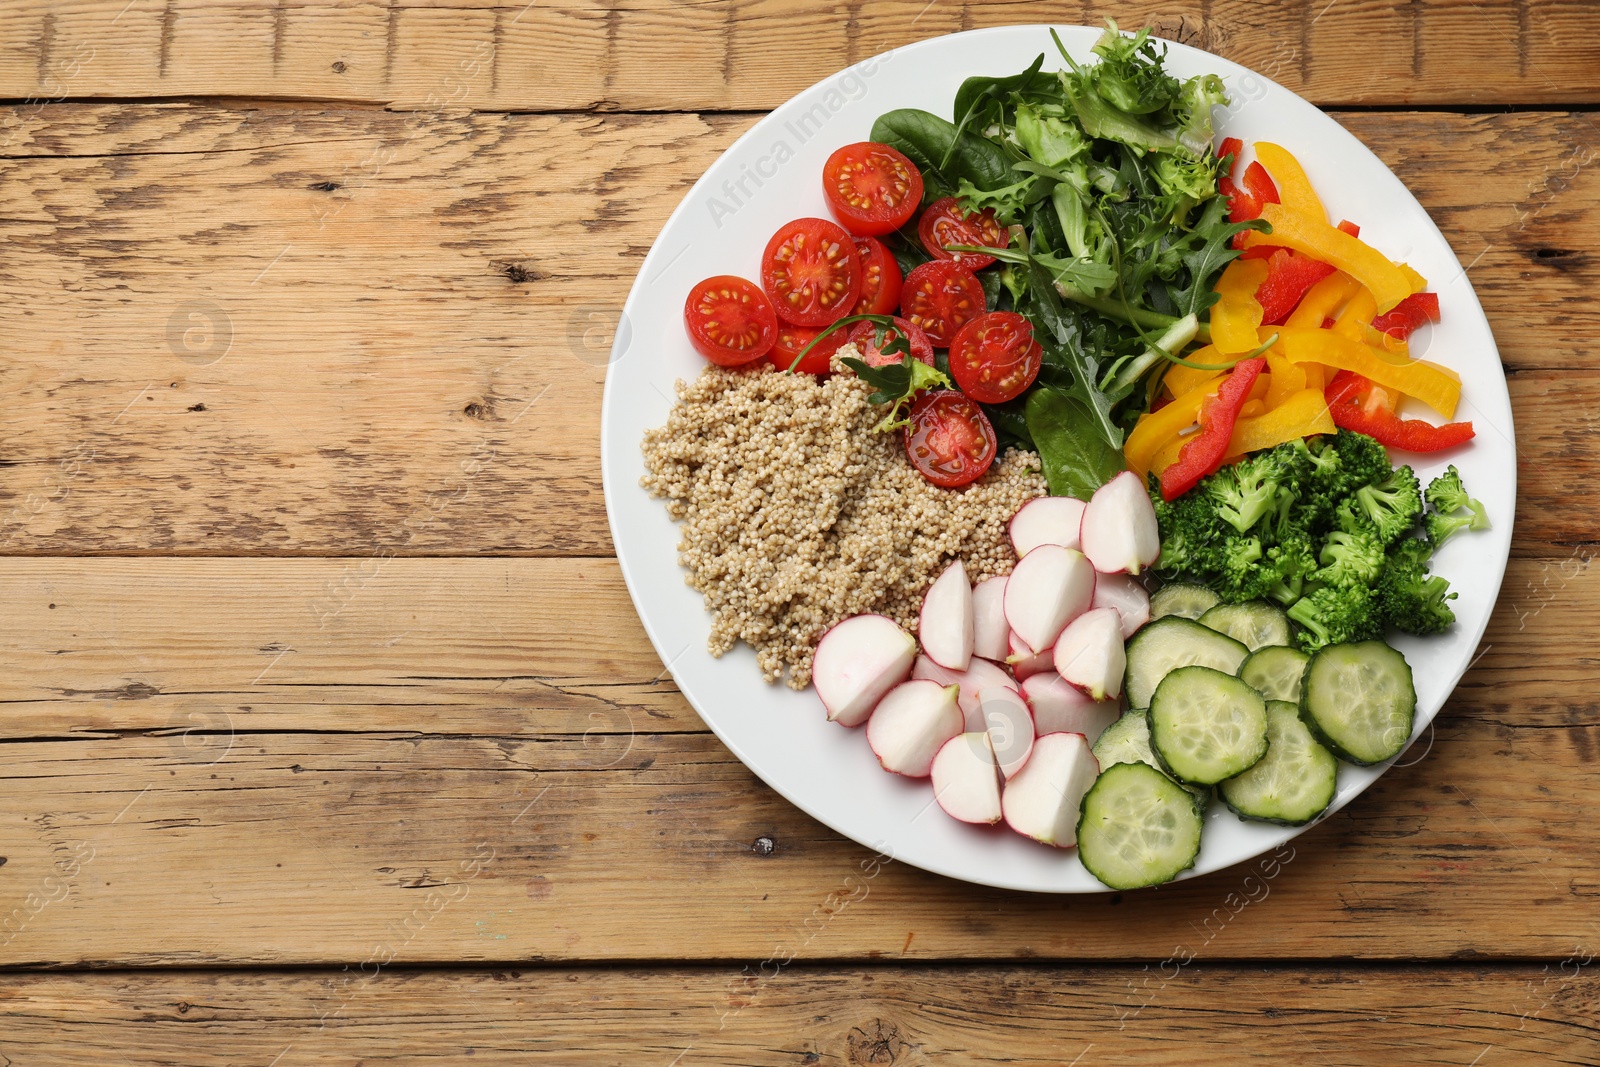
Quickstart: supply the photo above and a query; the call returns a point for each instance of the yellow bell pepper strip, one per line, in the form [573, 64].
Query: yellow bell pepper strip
[1302, 414]
[1202, 453]
[1418, 282]
[1237, 312]
[1252, 408]
[1356, 316]
[1156, 429]
[1181, 380]
[1313, 236]
[1287, 379]
[1294, 188]
[1436, 386]
[1322, 301]
[1169, 453]
[1387, 345]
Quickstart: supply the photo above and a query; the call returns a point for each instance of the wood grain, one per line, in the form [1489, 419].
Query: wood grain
[334, 332]
[663, 54]
[1038, 1015]
[199, 773]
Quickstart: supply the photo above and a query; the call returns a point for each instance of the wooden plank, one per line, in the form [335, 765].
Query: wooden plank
[230, 358]
[274, 832]
[747, 54]
[969, 1015]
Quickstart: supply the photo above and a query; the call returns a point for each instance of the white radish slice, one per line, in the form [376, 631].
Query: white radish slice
[975, 679]
[1049, 587]
[1010, 728]
[946, 622]
[910, 724]
[1059, 707]
[1041, 801]
[1025, 662]
[990, 631]
[1090, 653]
[1120, 534]
[1126, 595]
[966, 781]
[1046, 520]
[857, 662]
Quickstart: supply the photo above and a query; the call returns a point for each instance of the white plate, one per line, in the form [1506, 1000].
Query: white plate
[773, 174]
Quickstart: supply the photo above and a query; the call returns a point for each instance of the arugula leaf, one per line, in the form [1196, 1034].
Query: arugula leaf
[1067, 352]
[1214, 252]
[896, 384]
[1077, 459]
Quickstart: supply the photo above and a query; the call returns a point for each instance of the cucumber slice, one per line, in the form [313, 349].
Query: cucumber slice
[1294, 782]
[1206, 725]
[1275, 672]
[1128, 741]
[1137, 827]
[1184, 599]
[1170, 643]
[1255, 624]
[1359, 700]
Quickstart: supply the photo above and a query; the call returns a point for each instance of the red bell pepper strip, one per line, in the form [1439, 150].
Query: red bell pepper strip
[1204, 452]
[1409, 314]
[1289, 275]
[1348, 398]
[1350, 228]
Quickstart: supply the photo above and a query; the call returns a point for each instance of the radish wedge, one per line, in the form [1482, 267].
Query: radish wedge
[1025, 662]
[857, 662]
[966, 781]
[1010, 728]
[1046, 520]
[1090, 653]
[910, 724]
[1041, 801]
[1049, 588]
[946, 621]
[990, 631]
[1120, 534]
[1124, 593]
[1059, 707]
[975, 679]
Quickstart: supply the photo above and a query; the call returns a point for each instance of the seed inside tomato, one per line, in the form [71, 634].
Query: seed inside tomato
[945, 224]
[950, 440]
[994, 357]
[811, 272]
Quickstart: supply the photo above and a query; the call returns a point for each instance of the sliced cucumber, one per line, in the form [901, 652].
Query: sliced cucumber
[1137, 827]
[1275, 672]
[1255, 624]
[1128, 741]
[1184, 599]
[1294, 782]
[1170, 643]
[1206, 726]
[1359, 700]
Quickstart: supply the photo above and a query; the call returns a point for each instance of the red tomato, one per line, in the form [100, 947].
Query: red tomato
[994, 357]
[863, 335]
[880, 279]
[730, 321]
[949, 441]
[811, 272]
[941, 296]
[944, 223]
[791, 339]
[871, 188]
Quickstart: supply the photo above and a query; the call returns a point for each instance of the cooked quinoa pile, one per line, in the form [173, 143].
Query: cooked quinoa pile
[797, 515]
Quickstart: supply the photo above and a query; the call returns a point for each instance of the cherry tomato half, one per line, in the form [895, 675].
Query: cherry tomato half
[863, 335]
[730, 321]
[944, 223]
[994, 357]
[950, 440]
[811, 272]
[871, 188]
[880, 279]
[941, 296]
[791, 339]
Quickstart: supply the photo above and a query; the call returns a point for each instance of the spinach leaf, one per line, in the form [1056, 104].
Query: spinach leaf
[981, 100]
[1077, 458]
[927, 140]
[1067, 352]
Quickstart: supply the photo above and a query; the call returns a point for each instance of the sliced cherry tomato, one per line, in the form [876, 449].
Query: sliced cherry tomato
[880, 278]
[944, 223]
[871, 188]
[730, 321]
[994, 357]
[950, 440]
[941, 296]
[864, 336]
[791, 339]
[811, 272]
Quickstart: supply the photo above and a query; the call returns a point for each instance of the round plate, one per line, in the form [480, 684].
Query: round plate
[773, 174]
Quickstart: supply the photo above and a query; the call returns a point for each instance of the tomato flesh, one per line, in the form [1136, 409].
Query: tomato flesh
[950, 440]
[994, 357]
[730, 321]
[944, 223]
[791, 339]
[871, 188]
[880, 279]
[811, 272]
[864, 336]
[941, 296]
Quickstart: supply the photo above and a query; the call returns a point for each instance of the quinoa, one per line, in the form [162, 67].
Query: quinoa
[796, 514]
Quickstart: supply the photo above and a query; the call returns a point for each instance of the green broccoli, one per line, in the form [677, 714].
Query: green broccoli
[1330, 616]
[1239, 575]
[1188, 534]
[1349, 559]
[1453, 510]
[1392, 506]
[1410, 600]
[1362, 461]
[1245, 491]
[1293, 561]
[1321, 485]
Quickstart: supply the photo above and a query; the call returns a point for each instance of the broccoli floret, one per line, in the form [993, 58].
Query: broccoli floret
[1392, 505]
[1292, 560]
[1410, 600]
[1244, 492]
[1330, 616]
[1362, 460]
[1349, 559]
[1453, 510]
[1188, 533]
[1321, 485]
[1240, 574]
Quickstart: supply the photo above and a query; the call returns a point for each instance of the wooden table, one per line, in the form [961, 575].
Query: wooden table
[331, 735]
